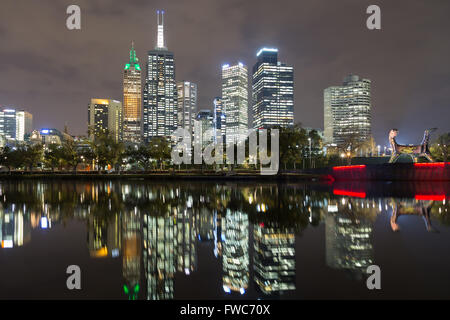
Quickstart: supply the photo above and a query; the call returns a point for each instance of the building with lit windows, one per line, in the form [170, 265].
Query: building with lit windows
[132, 99]
[235, 101]
[187, 105]
[24, 124]
[219, 120]
[204, 124]
[274, 258]
[272, 91]
[160, 91]
[347, 111]
[8, 123]
[105, 115]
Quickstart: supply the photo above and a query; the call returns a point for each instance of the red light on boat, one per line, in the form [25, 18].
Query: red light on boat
[349, 193]
[430, 165]
[428, 197]
[361, 166]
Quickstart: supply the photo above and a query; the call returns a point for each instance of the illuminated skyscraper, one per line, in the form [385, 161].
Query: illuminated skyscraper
[347, 111]
[15, 124]
[219, 119]
[105, 115]
[160, 90]
[235, 101]
[8, 123]
[272, 91]
[187, 105]
[132, 99]
[204, 124]
[24, 124]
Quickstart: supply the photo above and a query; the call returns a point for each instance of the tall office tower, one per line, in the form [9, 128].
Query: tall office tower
[105, 115]
[274, 258]
[160, 90]
[132, 99]
[204, 127]
[219, 119]
[8, 123]
[235, 101]
[347, 111]
[272, 91]
[24, 124]
[235, 256]
[187, 105]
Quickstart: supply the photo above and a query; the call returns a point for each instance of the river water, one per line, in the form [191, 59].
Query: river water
[134, 239]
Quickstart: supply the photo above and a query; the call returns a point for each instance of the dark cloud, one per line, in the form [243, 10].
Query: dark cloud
[53, 72]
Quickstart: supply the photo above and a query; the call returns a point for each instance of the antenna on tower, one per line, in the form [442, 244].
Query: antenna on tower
[160, 24]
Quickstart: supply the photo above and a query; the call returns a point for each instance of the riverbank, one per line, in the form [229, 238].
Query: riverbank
[165, 175]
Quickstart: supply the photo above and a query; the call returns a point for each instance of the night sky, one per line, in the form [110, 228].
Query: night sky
[53, 72]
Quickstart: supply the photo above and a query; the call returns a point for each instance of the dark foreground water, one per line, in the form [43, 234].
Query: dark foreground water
[225, 240]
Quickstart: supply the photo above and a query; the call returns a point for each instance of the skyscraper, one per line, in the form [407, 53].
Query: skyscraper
[235, 101]
[204, 127]
[105, 115]
[24, 124]
[160, 90]
[347, 111]
[219, 119]
[187, 105]
[8, 123]
[132, 99]
[272, 91]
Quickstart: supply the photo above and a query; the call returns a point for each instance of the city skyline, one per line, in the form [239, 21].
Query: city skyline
[409, 79]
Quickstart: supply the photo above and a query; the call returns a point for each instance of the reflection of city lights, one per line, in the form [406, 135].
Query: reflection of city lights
[7, 244]
[44, 223]
[332, 208]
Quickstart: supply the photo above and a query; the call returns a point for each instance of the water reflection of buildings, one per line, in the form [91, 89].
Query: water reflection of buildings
[185, 223]
[15, 227]
[274, 258]
[104, 236]
[159, 259]
[159, 229]
[348, 235]
[235, 257]
[131, 253]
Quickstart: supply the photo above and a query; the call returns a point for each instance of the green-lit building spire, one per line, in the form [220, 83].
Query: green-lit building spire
[133, 59]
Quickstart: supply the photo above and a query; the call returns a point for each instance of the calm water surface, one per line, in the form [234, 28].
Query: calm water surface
[225, 240]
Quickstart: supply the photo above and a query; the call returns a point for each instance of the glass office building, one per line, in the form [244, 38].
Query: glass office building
[347, 111]
[160, 90]
[272, 91]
